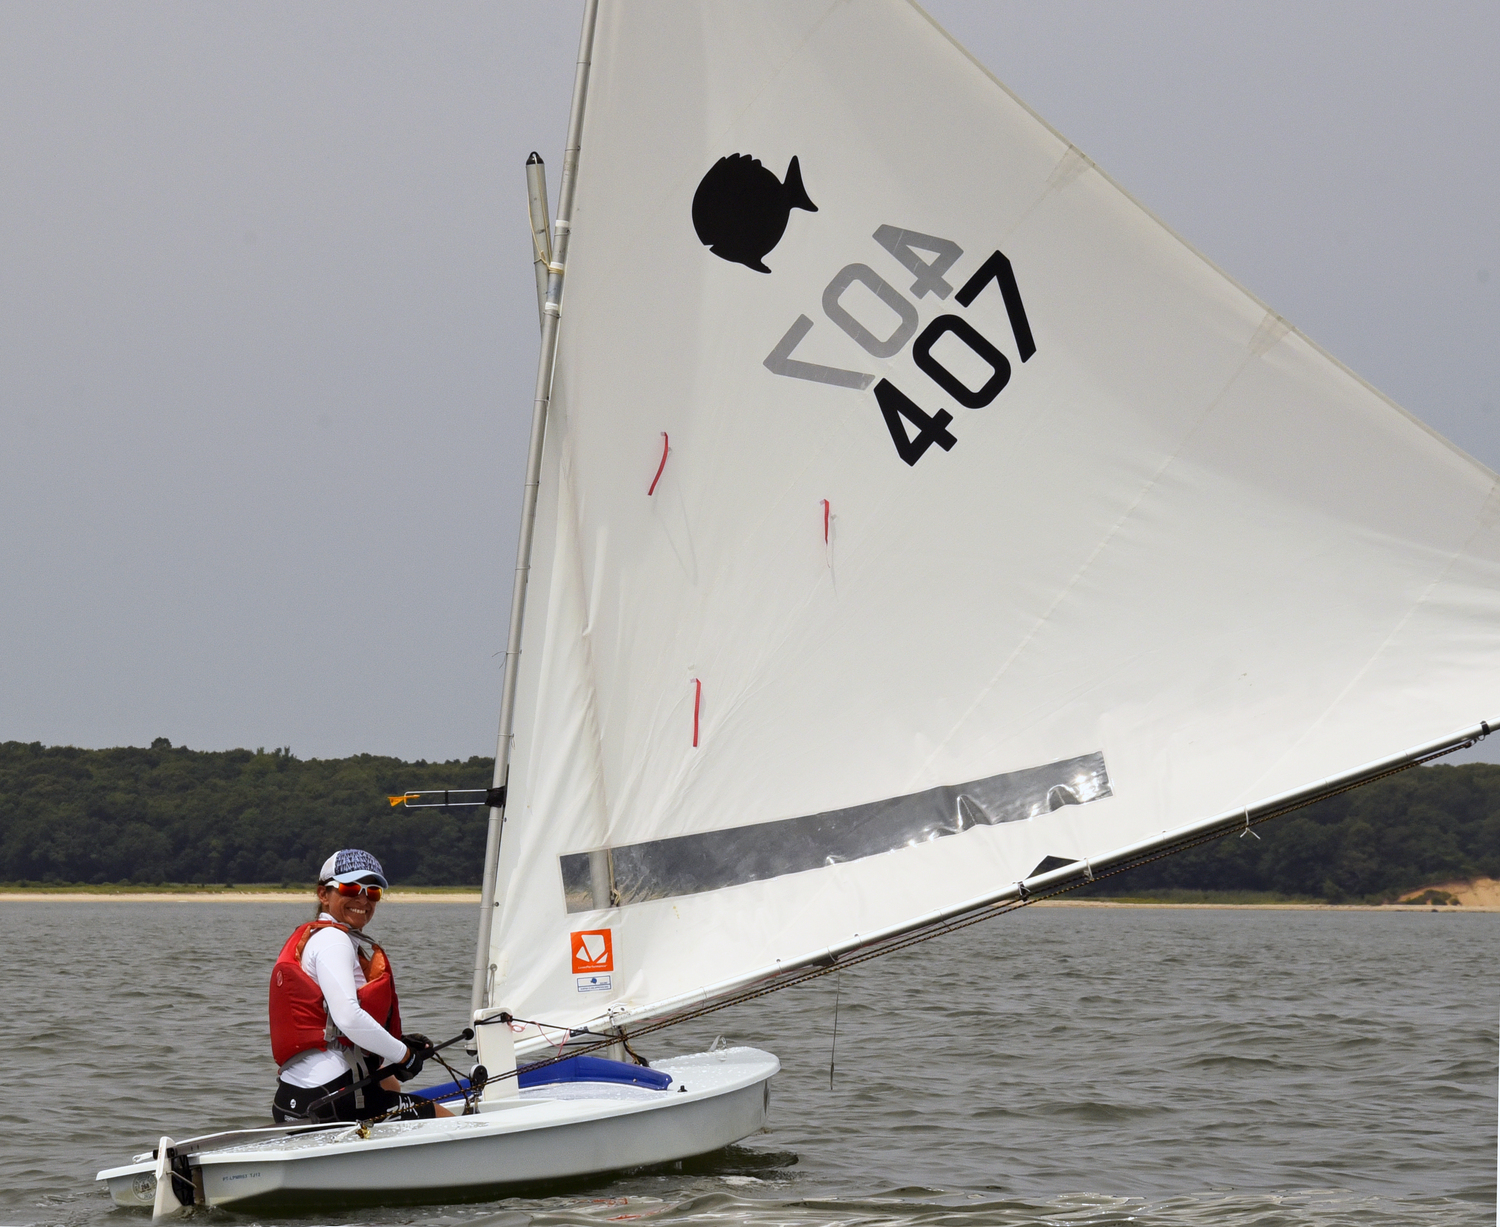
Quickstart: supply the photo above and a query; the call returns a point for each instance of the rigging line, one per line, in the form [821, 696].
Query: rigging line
[541, 1027]
[471, 1096]
[838, 985]
[634, 1055]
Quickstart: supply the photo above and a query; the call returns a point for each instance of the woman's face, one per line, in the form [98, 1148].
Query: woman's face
[352, 910]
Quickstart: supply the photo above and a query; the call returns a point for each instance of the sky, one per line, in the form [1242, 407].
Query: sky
[268, 326]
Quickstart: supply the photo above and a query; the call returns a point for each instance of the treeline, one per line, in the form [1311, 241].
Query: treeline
[169, 814]
[1371, 845]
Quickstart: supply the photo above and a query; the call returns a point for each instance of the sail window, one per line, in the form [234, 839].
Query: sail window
[712, 860]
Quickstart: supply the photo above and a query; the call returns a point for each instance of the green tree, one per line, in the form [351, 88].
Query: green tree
[1426, 825]
[177, 815]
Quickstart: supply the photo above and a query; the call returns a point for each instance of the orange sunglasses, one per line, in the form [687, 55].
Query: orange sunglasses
[352, 889]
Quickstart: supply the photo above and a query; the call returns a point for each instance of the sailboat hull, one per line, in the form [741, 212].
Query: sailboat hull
[554, 1133]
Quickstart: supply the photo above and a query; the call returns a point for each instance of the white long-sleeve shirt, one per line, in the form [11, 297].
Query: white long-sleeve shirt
[330, 958]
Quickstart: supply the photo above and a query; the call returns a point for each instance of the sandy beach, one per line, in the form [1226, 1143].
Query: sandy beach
[218, 896]
[1479, 895]
[1265, 907]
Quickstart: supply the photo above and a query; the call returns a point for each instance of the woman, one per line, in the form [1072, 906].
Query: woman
[334, 1013]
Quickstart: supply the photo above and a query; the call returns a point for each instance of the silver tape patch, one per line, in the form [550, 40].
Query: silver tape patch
[691, 864]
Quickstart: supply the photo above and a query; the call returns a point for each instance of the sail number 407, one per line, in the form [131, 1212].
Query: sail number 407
[929, 258]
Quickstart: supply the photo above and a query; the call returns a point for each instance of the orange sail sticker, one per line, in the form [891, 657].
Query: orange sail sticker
[593, 950]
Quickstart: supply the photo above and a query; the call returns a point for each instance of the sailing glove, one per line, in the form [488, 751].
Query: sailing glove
[420, 1048]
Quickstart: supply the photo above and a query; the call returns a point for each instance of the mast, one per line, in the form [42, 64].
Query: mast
[551, 311]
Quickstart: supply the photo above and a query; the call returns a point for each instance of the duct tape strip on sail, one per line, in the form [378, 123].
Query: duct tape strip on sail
[712, 860]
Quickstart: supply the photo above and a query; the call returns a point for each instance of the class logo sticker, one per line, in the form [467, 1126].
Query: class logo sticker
[740, 209]
[593, 951]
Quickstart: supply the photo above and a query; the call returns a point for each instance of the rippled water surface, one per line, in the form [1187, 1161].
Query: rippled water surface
[1060, 1065]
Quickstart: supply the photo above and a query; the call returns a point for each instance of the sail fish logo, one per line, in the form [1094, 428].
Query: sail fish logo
[740, 209]
[593, 950]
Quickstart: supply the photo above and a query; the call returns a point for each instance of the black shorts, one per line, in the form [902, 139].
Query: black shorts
[289, 1107]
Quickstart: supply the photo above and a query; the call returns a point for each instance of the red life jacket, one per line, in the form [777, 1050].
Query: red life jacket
[299, 1017]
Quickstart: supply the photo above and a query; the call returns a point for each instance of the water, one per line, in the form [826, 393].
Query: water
[1059, 1066]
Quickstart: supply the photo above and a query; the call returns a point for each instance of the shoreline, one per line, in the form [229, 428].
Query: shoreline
[472, 897]
[219, 896]
[1269, 907]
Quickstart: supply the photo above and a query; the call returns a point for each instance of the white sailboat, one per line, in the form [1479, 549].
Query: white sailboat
[910, 532]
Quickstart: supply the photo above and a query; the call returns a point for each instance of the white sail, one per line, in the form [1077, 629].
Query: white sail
[996, 524]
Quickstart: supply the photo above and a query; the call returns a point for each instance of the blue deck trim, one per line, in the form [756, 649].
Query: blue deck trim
[574, 1069]
[595, 1069]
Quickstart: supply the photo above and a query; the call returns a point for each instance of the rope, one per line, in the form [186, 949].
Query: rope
[838, 985]
[471, 1096]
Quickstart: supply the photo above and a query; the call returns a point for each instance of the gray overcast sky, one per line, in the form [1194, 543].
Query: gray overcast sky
[268, 332]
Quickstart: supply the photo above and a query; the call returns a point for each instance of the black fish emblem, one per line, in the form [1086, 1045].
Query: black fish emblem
[740, 208]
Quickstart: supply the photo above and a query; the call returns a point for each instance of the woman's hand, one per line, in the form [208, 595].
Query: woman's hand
[418, 1049]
